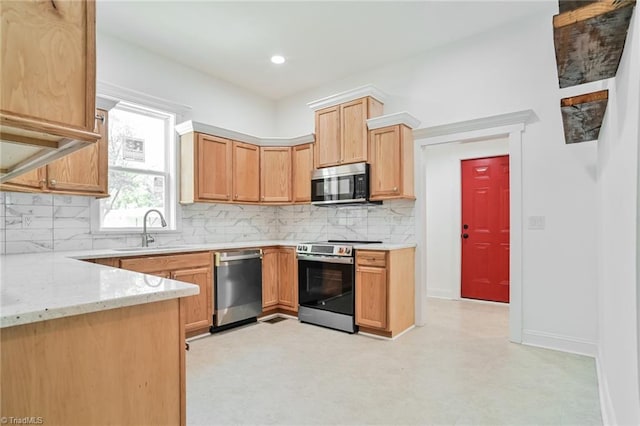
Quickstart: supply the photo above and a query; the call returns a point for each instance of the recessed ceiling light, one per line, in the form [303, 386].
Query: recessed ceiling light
[277, 59]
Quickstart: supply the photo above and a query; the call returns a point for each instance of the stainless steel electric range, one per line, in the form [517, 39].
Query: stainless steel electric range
[326, 278]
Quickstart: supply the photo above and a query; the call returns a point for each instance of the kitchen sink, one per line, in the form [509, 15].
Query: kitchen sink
[159, 248]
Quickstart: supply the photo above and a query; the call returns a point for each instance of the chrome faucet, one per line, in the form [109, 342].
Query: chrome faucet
[146, 238]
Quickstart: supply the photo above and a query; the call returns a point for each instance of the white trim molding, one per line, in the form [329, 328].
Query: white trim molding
[445, 130]
[511, 125]
[349, 95]
[107, 90]
[559, 342]
[194, 126]
[392, 119]
[106, 104]
[606, 406]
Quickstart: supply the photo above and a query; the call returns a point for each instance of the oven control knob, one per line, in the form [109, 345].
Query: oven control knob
[340, 250]
[347, 250]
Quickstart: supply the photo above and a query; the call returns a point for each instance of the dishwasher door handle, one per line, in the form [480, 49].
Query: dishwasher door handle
[220, 259]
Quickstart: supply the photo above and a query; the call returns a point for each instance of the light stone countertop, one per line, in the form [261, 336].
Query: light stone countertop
[44, 286]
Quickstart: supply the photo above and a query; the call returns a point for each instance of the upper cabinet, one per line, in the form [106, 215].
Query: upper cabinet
[341, 125]
[391, 157]
[212, 158]
[302, 167]
[83, 172]
[275, 174]
[341, 132]
[47, 107]
[238, 168]
[246, 172]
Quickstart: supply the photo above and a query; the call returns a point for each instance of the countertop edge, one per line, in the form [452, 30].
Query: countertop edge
[90, 307]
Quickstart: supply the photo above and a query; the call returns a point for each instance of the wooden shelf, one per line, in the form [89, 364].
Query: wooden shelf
[589, 40]
[582, 116]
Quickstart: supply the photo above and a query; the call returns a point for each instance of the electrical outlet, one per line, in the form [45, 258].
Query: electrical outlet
[27, 220]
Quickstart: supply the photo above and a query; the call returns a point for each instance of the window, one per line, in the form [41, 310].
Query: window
[141, 168]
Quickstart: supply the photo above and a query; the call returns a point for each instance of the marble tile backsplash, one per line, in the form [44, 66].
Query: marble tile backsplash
[32, 223]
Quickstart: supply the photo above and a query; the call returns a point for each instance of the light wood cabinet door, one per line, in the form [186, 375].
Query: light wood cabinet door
[371, 296]
[302, 165]
[353, 131]
[391, 159]
[328, 144]
[48, 78]
[199, 308]
[275, 174]
[32, 181]
[86, 170]
[385, 162]
[246, 172]
[270, 273]
[213, 174]
[288, 283]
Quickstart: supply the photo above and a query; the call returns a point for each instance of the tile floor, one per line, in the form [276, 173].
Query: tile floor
[459, 369]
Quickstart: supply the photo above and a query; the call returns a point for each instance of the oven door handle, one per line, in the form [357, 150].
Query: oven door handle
[326, 259]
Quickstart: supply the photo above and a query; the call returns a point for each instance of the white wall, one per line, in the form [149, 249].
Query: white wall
[618, 241]
[212, 101]
[508, 69]
[443, 210]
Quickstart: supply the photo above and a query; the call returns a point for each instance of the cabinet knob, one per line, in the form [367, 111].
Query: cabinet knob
[53, 182]
[42, 183]
[236, 197]
[395, 189]
[263, 198]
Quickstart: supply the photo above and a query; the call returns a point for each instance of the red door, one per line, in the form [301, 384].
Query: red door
[485, 229]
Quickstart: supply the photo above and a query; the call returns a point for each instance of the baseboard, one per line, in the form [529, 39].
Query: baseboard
[440, 293]
[559, 342]
[606, 407]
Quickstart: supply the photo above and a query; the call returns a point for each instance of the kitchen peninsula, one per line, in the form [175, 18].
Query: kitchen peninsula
[90, 344]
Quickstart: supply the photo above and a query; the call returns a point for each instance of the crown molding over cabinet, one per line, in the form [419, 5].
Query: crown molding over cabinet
[194, 126]
[393, 119]
[350, 95]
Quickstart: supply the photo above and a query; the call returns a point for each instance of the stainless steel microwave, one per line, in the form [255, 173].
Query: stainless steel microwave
[348, 184]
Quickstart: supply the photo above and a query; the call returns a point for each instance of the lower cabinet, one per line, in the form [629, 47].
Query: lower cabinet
[194, 268]
[385, 288]
[279, 279]
[122, 366]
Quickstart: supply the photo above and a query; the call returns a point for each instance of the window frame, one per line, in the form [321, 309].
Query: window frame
[170, 173]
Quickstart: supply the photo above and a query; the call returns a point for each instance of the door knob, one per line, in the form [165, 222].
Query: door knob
[465, 236]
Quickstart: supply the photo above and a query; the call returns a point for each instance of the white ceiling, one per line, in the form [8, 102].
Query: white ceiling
[322, 41]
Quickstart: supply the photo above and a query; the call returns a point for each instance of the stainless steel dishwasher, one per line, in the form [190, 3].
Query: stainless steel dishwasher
[237, 288]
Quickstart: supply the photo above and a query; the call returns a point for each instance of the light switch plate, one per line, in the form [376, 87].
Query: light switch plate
[536, 222]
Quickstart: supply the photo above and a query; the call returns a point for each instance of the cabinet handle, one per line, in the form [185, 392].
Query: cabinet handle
[53, 182]
[100, 117]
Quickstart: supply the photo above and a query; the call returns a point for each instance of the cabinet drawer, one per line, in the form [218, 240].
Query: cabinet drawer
[371, 258]
[167, 262]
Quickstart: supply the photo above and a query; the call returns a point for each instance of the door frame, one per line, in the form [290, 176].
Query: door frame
[510, 125]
